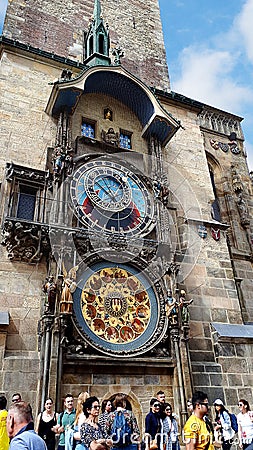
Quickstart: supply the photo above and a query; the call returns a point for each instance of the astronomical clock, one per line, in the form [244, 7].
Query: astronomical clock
[110, 198]
[118, 308]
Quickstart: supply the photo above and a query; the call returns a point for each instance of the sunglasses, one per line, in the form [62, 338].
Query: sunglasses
[240, 404]
[156, 405]
[168, 409]
[96, 406]
[204, 403]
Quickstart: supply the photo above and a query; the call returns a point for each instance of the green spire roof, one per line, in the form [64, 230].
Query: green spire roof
[97, 43]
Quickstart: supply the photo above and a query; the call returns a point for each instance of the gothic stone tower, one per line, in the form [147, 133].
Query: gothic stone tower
[126, 257]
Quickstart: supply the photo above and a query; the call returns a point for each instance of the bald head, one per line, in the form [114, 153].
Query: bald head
[19, 415]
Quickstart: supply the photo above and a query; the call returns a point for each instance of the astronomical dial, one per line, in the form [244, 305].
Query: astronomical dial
[108, 197]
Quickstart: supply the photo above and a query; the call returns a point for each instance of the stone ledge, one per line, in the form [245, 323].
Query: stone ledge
[4, 318]
[237, 333]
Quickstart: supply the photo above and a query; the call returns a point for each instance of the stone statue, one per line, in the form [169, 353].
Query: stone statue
[183, 305]
[110, 137]
[50, 290]
[243, 209]
[118, 54]
[69, 287]
[171, 308]
[236, 180]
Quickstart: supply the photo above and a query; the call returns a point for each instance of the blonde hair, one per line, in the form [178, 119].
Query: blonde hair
[82, 397]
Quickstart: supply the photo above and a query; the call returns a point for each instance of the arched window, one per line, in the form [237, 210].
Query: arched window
[101, 44]
[215, 205]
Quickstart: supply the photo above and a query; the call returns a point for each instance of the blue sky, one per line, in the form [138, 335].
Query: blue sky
[209, 46]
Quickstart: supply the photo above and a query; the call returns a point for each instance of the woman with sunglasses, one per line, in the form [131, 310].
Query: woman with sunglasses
[223, 424]
[92, 436]
[245, 424]
[46, 424]
[153, 426]
[170, 429]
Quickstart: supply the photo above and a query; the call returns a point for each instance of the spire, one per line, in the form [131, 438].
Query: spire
[97, 41]
[97, 12]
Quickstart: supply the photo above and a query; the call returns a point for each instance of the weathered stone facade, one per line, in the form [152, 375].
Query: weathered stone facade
[60, 27]
[190, 164]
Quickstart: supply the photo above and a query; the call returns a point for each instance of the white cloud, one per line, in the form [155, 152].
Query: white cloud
[249, 152]
[206, 75]
[244, 23]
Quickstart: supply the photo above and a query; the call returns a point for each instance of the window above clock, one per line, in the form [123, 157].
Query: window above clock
[125, 139]
[88, 128]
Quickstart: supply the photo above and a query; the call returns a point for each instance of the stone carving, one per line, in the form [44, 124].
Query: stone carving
[118, 53]
[62, 162]
[183, 305]
[22, 241]
[161, 190]
[69, 287]
[66, 74]
[243, 209]
[237, 184]
[240, 200]
[50, 290]
[25, 173]
[171, 308]
[110, 137]
[226, 146]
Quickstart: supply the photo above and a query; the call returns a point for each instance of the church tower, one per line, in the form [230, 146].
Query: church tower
[126, 215]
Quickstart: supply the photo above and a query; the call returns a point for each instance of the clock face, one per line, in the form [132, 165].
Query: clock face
[116, 309]
[109, 197]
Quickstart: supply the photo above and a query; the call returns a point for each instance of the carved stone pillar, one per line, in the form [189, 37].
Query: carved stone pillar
[47, 323]
[175, 336]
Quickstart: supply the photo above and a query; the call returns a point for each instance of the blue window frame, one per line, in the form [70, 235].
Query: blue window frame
[125, 139]
[26, 203]
[88, 128]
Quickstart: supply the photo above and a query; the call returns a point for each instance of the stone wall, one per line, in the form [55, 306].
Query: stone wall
[59, 27]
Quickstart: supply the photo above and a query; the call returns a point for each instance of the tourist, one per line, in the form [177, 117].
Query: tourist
[91, 433]
[196, 434]
[46, 424]
[153, 426]
[105, 411]
[20, 428]
[223, 424]
[189, 406]
[245, 424]
[161, 399]
[65, 420]
[131, 438]
[170, 429]
[80, 418]
[4, 439]
[16, 398]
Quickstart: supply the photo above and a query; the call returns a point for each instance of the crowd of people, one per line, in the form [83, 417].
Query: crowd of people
[114, 426]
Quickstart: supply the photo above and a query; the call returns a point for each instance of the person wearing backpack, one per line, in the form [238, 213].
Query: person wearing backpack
[223, 424]
[122, 427]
